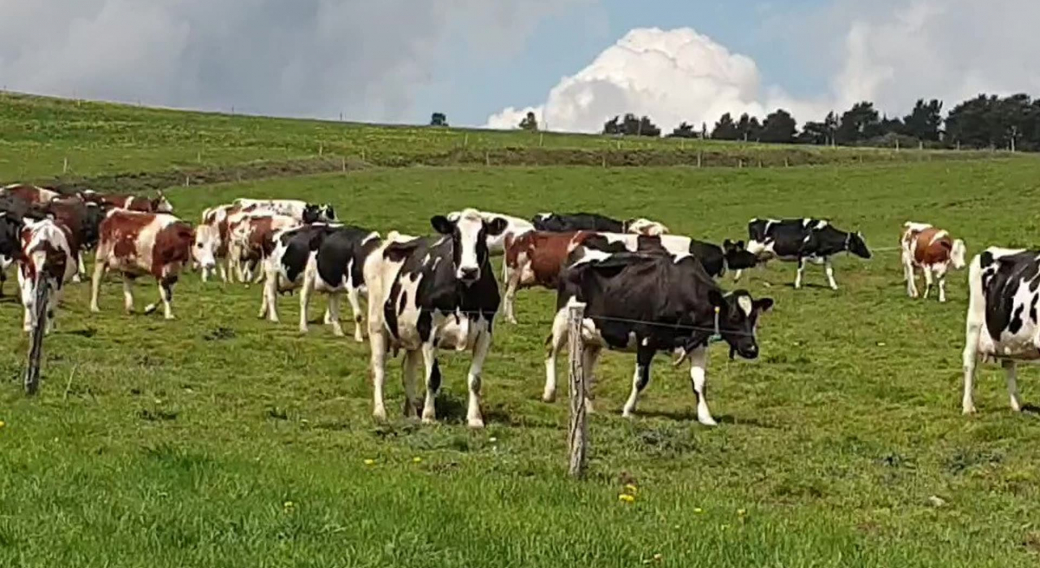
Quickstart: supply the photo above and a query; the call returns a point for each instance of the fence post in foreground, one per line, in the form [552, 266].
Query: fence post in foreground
[578, 431]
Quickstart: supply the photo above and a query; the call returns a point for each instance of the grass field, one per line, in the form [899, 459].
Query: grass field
[38, 135]
[221, 440]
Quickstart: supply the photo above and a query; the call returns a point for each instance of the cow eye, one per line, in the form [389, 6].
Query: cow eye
[199, 245]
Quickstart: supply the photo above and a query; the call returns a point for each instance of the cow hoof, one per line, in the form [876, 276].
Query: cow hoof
[429, 420]
[77, 279]
[475, 423]
[149, 309]
[379, 414]
[968, 411]
[170, 317]
[303, 331]
[338, 333]
[359, 338]
[512, 320]
[627, 414]
[549, 396]
[95, 310]
[707, 421]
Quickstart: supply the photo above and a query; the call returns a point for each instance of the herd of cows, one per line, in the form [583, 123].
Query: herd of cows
[644, 290]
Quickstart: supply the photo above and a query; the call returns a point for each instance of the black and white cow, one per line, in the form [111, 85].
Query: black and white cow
[801, 240]
[1002, 321]
[567, 222]
[431, 293]
[321, 258]
[715, 259]
[647, 303]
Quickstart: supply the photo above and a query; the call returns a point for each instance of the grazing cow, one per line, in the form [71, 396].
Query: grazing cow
[646, 303]
[536, 258]
[1002, 320]
[300, 210]
[933, 251]
[515, 227]
[138, 244]
[252, 241]
[802, 240]
[29, 193]
[157, 204]
[563, 223]
[212, 237]
[320, 258]
[429, 293]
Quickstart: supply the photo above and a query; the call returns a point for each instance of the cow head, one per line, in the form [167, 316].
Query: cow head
[92, 219]
[314, 213]
[737, 257]
[957, 254]
[10, 237]
[469, 232]
[737, 316]
[645, 227]
[857, 246]
[161, 205]
[204, 246]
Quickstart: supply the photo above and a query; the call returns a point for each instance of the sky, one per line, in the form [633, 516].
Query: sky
[574, 63]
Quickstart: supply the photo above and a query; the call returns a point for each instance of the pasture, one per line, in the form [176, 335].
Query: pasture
[222, 440]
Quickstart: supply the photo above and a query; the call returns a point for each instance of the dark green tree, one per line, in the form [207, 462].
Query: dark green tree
[859, 123]
[925, 121]
[438, 119]
[684, 130]
[529, 122]
[779, 127]
[748, 128]
[725, 129]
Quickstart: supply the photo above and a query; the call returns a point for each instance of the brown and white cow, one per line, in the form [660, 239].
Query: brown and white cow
[212, 237]
[138, 244]
[157, 204]
[45, 258]
[251, 241]
[933, 251]
[29, 193]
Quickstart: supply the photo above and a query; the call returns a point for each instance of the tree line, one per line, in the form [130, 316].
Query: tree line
[986, 121]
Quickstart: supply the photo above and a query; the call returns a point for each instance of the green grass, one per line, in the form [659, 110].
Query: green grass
[179, 443]
[38, 135]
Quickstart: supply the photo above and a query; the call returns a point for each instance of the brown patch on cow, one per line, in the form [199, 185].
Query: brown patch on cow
[30, 193]
[172, 249]
[56, 259]
[545, 254]
[926, 252]
[70, 215]
[119, 232]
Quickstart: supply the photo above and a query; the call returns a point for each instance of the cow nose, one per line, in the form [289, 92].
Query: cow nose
[469, 274]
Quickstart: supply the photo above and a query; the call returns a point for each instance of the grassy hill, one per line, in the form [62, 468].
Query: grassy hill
[45, 138]
[220, 440]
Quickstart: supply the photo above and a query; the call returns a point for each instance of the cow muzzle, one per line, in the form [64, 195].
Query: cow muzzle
[468, 274]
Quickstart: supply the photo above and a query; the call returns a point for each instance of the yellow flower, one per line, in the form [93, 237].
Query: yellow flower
[416, 459]
[630, 488]
[626, 498]
[657, 557]
[370, 462]
[741, 512]
[698, 510]
[288, 505]
[2, 423]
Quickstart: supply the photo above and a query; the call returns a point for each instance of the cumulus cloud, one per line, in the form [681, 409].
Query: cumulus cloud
[365, 58]
[891, 52]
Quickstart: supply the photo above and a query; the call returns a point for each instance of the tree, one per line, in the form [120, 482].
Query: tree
[814, 133]
[748, 128]
[725, 129]
[891, 126]
[684, 130]
[925, 121]
[859, 123]
[970, 122]
[438, 119]
[529, 122]
[631, 126]
[779, 127]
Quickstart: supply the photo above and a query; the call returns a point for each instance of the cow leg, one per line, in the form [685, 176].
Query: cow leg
[95, 284]
[554, 346]
[411, 363]
[128, 294]
[480, 350]
[165, 296]
[738, 274]
[640, 379]
[333, 314]
[353, 296]
[940, 275]
[28, 292]
[81, 267]
[260, 264]
[377, 343]
[305, 298]
[698, 378]
[971, 346]
[52, 306]
[798, 277]
[829, 268]
[3, 274]
[511, 278]
[908, 275]
[433, 381]
[270, 296]
[1012, 385]
[927, 281]
[224, 268]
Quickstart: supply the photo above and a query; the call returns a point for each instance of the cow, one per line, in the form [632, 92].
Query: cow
[320, 258]
[15, 208]
[41, 249]
[933, 251]
[29, 193]
[251, 241]
[138, 244]
[431, 293]
[801, 240]
[515, 227]
[300, 210]
[157, 204]
[568, 222]
[1002, 320]
[83, 219]
[536, 258]
[212, 238]
[648, 303]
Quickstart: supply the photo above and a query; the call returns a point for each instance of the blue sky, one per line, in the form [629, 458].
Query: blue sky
[564, 43]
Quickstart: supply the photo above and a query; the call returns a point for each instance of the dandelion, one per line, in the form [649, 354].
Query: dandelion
[626, 498]
[492, 439]
[741, 512]
[630, 488]
[287, 507]
[2, 423]
[698, 510]
[370, 462]
[417, 459]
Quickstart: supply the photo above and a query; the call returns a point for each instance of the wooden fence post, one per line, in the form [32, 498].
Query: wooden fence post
[698, 158]
[578, 431]
[65, 166]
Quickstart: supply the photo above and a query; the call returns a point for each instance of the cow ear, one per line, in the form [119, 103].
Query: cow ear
[496, 226]
[763, 304]
[442, 225]
[740, 245]
[727, 244]
[716, 299]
